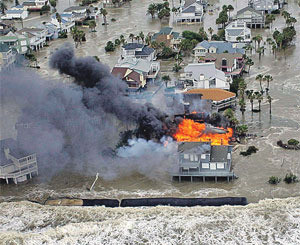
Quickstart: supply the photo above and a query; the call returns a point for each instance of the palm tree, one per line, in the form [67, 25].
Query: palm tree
[147, 40]
[260, 51]
[122, 39]
[260, 77]
[104, 13]
[17, 2]
[3, 7]
[152, 9]
[258, 39]
[270, 18]
[131, 36]
[269, 99]
[285, 14]
[58, 17]
[77, 36]
[242, 88]
[142, 36]
[251, 97]
[242, 105]
[249, 63]
[137, 38]
[210, 30]
[92, 25]
[229, 9]
[259, 98]
[268, 78]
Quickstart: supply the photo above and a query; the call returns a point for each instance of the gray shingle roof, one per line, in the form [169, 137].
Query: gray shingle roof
[248, 9]
[234, 32]
[145, 51]
[221, 47]
[194, 147]
[191, 9]
[219, 153]
[73, 8]
[131, 46]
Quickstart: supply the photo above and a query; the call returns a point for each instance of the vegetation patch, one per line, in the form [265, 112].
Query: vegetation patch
[273, 180]
[249, 151]
[290, 178]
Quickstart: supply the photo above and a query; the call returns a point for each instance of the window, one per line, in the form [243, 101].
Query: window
[192, 157]
[196, 158]
[220, 165]
[203, 156]
[186, 156]
[228, 156]
[205, 165]
[213, 166]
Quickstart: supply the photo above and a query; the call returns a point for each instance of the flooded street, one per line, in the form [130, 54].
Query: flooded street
[253, 171]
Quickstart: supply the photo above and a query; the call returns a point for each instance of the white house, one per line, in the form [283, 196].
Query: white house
[252, 17]
[66, 24]
[204, 75]
[264, 5]
[237, 31]
[36, 36]
[190, 11]
[7, 57]
[149, 69]
[34, 5]
[15, 13]
[16, 164]
[17, 41]
[79, 12]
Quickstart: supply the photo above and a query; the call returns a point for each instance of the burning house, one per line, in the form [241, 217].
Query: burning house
[15, 164]
[204, 151]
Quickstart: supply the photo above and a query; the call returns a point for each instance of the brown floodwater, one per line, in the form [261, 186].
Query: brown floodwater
[253, 171]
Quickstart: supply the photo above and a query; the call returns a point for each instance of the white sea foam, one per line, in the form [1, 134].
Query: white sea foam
[273, 221]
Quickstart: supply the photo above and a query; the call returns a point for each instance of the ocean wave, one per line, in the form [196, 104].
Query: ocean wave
[267, 222]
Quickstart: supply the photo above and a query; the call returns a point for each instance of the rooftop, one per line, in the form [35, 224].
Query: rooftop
[132, 46]
[217, 58]
[74, 8]
[219, 153]
[194, 147]
[221, 46]
[214, 94]
[209, 71]
[248, 9]
[14, 149]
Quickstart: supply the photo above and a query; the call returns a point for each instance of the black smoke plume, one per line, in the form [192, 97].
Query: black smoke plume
[75, 128]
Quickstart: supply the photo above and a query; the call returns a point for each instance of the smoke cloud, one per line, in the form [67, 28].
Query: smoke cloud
[74, 127]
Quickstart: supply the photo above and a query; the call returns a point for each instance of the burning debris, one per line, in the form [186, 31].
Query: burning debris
[191, 131]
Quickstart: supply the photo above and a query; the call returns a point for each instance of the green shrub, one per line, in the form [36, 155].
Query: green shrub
[293, 142]
[113, 20]
[290, 178]
[273, 180]
[110, 47]
[249, 151]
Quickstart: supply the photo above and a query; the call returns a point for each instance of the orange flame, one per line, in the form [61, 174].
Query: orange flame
[191, 131]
